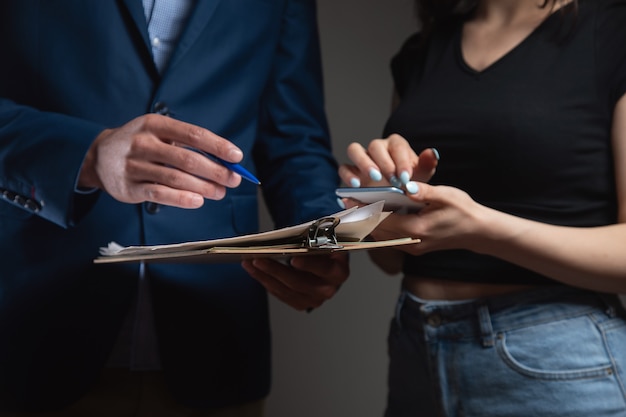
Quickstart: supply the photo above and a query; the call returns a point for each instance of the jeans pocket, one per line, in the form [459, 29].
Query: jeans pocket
[566, 349]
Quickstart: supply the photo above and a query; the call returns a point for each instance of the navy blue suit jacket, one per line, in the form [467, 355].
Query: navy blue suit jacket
[248, 70]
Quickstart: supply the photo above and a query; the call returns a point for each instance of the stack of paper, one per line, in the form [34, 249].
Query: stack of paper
[342, 231]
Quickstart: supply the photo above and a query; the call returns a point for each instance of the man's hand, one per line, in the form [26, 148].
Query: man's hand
[306, 282]
[147, 160]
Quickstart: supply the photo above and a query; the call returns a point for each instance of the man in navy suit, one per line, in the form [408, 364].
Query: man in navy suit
[100, 102]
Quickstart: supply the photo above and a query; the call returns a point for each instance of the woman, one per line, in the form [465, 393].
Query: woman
[509, 303]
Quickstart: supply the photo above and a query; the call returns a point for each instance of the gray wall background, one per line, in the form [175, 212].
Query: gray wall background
[332, 362]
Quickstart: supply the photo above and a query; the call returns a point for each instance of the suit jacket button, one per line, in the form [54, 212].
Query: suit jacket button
[161, 108]
[151, 207]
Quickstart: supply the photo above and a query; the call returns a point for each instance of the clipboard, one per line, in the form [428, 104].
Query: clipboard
[342, 231]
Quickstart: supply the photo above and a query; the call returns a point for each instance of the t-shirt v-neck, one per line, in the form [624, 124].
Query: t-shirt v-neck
[512, 51]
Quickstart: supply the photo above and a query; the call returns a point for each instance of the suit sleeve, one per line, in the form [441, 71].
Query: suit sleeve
[293, 152]
[40, 157]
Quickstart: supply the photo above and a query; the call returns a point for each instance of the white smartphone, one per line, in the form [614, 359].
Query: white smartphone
[395, 199]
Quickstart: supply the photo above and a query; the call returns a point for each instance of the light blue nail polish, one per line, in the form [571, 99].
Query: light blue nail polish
[340, 203]
[375, 175]
[436, 152]
[355, 183]
[395, 181]
[412, 187]
[404, 177]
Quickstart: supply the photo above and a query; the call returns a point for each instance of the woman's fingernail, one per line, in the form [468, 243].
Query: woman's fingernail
[341, 203]
[412, 187]
[355, 183]
[395, 181]
[375, 175]
[404, 177]
[436, 152]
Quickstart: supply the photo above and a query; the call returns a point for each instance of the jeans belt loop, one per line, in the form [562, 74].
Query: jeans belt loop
[486, 330]
[399, 306]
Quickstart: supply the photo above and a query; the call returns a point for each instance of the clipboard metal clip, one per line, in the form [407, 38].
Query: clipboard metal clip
[321, 234]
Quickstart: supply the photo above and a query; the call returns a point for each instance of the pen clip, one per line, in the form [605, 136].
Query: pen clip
[321, 234]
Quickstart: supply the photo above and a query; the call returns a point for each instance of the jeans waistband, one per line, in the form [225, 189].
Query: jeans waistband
[484, 317]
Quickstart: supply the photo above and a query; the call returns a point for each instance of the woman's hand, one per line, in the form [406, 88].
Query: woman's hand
[587, 257]
[449, 220]
[387, 161]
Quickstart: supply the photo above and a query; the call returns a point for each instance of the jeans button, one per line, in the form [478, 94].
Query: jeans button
[434, 320]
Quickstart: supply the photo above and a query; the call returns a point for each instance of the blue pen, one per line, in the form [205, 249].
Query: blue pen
[236, 168]
[245, 174]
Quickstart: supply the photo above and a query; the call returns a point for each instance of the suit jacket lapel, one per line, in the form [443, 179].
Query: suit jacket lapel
[135, 10]
[199, 19]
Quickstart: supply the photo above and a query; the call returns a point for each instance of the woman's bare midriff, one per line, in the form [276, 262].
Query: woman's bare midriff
[439, 289]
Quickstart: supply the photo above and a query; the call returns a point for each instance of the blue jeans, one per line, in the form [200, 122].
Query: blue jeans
[554, 351]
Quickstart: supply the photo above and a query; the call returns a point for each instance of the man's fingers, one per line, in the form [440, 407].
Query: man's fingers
[306, 283]
[280, 288]
[161, 194]
[172, 130]
[196, 164]
[143, 177]
[333, 268]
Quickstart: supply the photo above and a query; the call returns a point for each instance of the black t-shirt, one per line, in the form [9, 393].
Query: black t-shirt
[530, 135]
